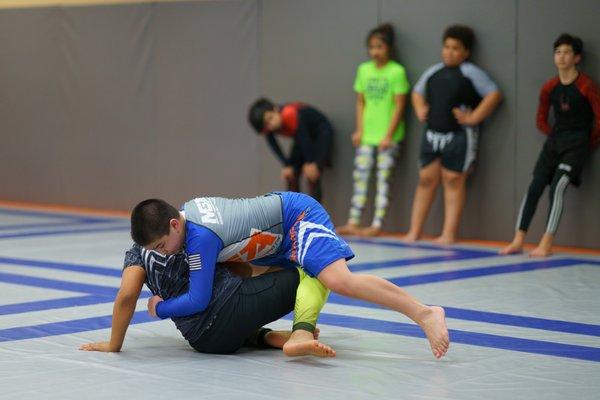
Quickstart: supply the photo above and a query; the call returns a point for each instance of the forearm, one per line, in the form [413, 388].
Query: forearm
[360, 106]
[419, 103]
[272, 142]
[397, 116]
[183, 306]
[486, 107]
[123, 310]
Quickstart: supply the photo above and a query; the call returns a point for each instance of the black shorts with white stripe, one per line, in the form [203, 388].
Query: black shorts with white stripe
[457, 150]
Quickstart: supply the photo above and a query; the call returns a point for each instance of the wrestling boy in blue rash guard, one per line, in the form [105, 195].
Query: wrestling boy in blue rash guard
[286, 229]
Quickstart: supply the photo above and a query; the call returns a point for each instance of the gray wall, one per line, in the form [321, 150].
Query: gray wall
[103, 106]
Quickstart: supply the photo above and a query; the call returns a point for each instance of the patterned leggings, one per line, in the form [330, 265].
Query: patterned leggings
[363, 163]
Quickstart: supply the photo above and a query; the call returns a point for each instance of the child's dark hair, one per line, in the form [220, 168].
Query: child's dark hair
[150, 220]
[385, 32]
[573, 41]
[462, 33]
[257, 111]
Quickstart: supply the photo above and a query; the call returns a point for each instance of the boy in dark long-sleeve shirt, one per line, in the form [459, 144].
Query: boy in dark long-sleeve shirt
[312, 134]
[575, 99]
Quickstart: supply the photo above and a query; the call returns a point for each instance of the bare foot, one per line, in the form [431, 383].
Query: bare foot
[445, 240]
[411, 237]
[370, 231]
[544, 248]
[512, 248]
[277, 338]
[436, 331]
[348, 229]
[541, 251]
[307, 348]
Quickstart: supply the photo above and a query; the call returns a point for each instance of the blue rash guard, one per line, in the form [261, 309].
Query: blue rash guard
[285, 229]
[202, 247]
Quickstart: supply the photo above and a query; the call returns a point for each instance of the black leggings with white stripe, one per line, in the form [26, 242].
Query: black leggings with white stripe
[558, 186]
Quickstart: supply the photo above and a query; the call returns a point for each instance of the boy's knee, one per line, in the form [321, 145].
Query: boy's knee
[341, 285]
[453, 180]
[426, 181]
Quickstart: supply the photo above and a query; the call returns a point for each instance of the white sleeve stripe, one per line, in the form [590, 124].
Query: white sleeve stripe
[483, 84]
[420, 86]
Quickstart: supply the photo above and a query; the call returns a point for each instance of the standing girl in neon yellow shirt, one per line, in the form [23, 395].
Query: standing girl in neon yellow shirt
[381, 88]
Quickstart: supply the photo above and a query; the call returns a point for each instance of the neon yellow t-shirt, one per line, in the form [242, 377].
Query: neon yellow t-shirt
[379, 86]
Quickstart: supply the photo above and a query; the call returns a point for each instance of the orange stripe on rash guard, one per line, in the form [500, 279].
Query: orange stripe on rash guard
[289, 119]
[294, 237]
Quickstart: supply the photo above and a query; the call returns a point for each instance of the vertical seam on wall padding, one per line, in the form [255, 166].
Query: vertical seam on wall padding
[259, 70]
[379, 7]
[516, 107]
[154, 11]
[259, 43]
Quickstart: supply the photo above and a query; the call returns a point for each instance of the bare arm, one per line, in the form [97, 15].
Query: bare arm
[123, 309]
[420, 106]
[360, 106]
[398, 114]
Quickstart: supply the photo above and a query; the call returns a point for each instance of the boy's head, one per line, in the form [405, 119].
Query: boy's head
[264, 116]
[567, 51]
[157, 225]
[457, 44]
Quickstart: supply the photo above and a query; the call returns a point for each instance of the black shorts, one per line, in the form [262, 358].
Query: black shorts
[564, 153]
[457, 150]
[257, 302]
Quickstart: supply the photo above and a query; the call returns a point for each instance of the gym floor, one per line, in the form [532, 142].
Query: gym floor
[520, 328]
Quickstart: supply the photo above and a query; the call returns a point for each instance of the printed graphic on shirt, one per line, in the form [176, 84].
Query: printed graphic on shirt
[258, 245]
[377, 88]
[209, 213]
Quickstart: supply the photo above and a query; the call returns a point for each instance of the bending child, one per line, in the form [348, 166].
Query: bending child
[312, 134]
[285, 229]
[575, 99]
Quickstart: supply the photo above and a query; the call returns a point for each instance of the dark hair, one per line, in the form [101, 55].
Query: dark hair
[573, 41]
[462, 33]
[150, 220]
[385, 32]
[257, 111]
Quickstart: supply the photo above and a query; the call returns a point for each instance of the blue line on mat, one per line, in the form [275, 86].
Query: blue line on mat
[464, 337]
[366, 324]
[53, 214]
[483, 271]
[52, 304]
[88, 269]
[64, 232]
[58, 285]
[66, 302]
[67, 327]
[492, 318]
[423, 246]
[61, 224]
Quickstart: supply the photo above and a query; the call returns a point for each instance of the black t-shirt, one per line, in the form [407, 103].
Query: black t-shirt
[445, 88]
